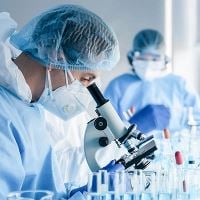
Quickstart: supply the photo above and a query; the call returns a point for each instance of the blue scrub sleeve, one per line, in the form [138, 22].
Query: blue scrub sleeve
[11, 169]
[112, 93]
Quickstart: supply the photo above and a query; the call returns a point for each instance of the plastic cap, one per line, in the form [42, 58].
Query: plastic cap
[166, 133]
[179, 158]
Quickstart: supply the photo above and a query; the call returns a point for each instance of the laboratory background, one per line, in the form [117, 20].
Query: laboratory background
[169, 119]
[177, 20]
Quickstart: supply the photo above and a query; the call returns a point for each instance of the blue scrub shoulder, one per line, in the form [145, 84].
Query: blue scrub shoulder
[174, 80]
[123, 80]
[127, 77]
[17, 112]
[10, 102]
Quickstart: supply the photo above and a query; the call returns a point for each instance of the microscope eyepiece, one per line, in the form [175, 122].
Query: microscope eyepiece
[97, 95]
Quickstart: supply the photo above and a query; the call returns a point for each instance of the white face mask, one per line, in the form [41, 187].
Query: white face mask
[149, 70]
[66, 101]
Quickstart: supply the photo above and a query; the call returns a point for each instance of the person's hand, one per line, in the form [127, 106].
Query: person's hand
[151, 117]
[80, 189]
[111, 167]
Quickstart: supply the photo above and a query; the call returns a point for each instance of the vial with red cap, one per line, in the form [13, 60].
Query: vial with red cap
[181, 183]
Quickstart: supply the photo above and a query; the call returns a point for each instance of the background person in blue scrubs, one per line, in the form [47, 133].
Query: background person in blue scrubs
[158, 99]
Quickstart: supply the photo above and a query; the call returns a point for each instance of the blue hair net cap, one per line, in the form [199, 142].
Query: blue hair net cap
[69, 37]
[148, 40]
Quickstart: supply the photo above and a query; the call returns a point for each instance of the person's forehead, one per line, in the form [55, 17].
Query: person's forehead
[148, 55]
[89, 73]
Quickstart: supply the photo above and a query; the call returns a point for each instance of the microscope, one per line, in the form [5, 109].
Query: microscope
[108, 127]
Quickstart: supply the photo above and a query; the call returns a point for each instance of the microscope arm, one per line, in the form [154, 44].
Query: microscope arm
[94, 140]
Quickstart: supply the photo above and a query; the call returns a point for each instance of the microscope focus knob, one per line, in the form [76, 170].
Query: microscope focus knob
[100, 123]
[103, 141]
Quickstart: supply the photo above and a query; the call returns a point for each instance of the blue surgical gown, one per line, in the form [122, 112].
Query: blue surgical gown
[26, 158]
[127, 91]
[27, 161]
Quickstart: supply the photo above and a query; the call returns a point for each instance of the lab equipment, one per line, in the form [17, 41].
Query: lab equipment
[167, 154]
[105, 185]
[179, 158]
[166, 133]
[143, 185]
[108, 127]
[132, 185]
[94, 185]
[58, 38]
[181, 182]
[187, 141]
[193, 138]
[151, 117]
[190, 187]
[166, 185]
[31, 195]
[116, 185]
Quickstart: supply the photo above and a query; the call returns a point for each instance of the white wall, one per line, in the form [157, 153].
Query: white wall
[125, 16]
[186, 40]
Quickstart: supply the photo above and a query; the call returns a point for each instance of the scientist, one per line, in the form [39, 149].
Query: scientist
[45, 65]
[150, 90]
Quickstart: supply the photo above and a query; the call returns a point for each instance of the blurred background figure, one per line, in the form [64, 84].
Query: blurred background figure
[150, 90]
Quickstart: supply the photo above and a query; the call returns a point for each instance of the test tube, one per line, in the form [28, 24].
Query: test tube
[115, 182]
[134, 185]
[193, 184]
[167, 154]
[166, 185]
[93, 187]
[150, 184]
[181, 182]
[122, 184]
[104, 184]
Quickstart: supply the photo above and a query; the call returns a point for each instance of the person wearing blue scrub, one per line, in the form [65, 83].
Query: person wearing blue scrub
[46, 65]
[162, 98]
